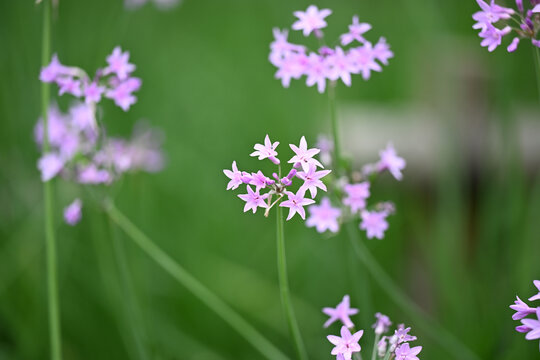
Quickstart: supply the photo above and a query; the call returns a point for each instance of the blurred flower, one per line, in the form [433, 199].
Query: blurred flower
[119, 64]
[342, 312]
[374, 223]
[405, 352]
[347, 344]
[73, 213]
[391, 161]
[324, 216]
[382, 324]
[356, 30]
[311, 20]
[357, 195]
[50, 165]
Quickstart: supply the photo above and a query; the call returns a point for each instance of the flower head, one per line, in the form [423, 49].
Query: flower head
[73, 213]
[341, 312]
[324, 216]
[311, 20]
[347, 344]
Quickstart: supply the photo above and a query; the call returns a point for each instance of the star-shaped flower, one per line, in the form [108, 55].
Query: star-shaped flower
[342, 312]
[259, 180]
[312, 180]
[405, 352]
[391, 161]
[356, 30]
[311, 20]
[296, 203]
[324, 217]
[304, 156]
[119, 64]
[374, 223]
[347, 344]
[357, 195]
[253, 200]
[93, 92]
[235, 175]
[268, 150]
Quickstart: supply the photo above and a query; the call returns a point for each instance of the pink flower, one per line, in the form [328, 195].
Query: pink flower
[537, 296]
[492, 37]
[296, 203]
[69, 85]
[253, 200]
[382, 324]
[51, 72]
[401, 335]
[317, 71]
[341, 66]
[405, 352]
[259, 180]
[521, 309]
[513, 45]
[382, 51]
[119, 64]
[268, 150]
[50, 165]
[93, 92]
[356, 30]
[363, 59]
[342, 312]
[531, 327]
[291, 66]
[310, 20]
[312, 180]
[347, 344]
[357, 195]
[304, 156]
[490, 14]
[374, 223]
[235, 176]
[536, 8]
[92, 175]
[324, 217]
[391, 161]
[72, 213]
[280, 48]
[122, 93]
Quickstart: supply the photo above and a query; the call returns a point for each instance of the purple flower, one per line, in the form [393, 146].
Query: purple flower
[536, 8]
[69, 85]
[92, 175]
[311, 20]
[374, 223]
[347, 344]
[326, 145]
[304, 156]
[280, 48]
[363, 59]
[342, 312]
[119, 64]
[51, 72]
[382, 347]
[492, 37]
[56, 126]
[259, 180]
[405, 352]
[341, 66]
[93, 92]
[537, 296]
[317, 71]
[357, 195]
[296, 203]
[513, 45]
[312, 180]
[50, 165]
[521, 308]
[391, 161]
[253, 200]
[324, 217]
[291, 66]
[235, 176]
[401, 335]
[490, 14]
[122, 93]
[268, 150]
[83, 118]
[356, 30]
[532, 326]
[382, 324]
[72, 213]
[382, 51]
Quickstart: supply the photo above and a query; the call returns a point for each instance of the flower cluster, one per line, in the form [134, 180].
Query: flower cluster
[353, 193]
[304, 168]
[294, 61]
[395, 346]
[495, 22]
[522, 310]
[113, 81]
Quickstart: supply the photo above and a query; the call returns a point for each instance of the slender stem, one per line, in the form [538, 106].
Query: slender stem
[374, 353]
[50, 240]
[259, 342]
[284, 287]
[388, 355]
[335, 125]
[537, 67]
[432, 328]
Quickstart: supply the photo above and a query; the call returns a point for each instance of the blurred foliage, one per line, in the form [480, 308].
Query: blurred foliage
[462, 244]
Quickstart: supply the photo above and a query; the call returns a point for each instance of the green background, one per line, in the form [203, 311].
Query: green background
[462, 244]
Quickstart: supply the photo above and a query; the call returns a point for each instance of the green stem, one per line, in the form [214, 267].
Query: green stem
[374, 353]
[284, 287]
[259, 342]
[388, 355]
[536, 56]
[50, 240]
[335, 125]
[432, 328]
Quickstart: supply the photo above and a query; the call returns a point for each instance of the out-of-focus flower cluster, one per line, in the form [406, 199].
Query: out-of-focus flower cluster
[495, 22]
[395, 346]
[352, 193]
[294, 61]
[304, 168]
[530, 326]
[113, 81]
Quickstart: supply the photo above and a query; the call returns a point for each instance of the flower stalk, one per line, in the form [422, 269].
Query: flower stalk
[50, 240]
[248, 332]
[536, 56]
[284, 288]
